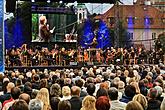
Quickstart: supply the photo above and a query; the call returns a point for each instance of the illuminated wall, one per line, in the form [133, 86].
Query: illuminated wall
[1, 38]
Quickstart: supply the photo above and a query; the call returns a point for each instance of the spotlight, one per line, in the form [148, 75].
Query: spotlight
[48, 1]
[32, 0]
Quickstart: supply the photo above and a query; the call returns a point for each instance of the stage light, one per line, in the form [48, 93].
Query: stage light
[32, 0]
[61, 2]
[48, 1]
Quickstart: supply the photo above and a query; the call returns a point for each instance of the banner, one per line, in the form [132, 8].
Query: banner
[2, 66]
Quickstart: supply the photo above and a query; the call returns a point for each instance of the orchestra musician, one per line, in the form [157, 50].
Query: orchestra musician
[98, 56]
[14, 57]
[86, 56]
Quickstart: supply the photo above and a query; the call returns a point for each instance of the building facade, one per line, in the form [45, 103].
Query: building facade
[143, 22]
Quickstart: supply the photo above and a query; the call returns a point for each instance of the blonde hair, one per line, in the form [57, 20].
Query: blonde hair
[134, 105]
[135, 84]
[88, 103]
[66, 91]
[141, 99]
[43, 95]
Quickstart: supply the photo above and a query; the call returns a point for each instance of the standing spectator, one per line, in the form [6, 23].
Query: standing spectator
[75, 100]
[134, 105]
[35, 104]
[20, 105]
[43, 95]
[142, 100]
[88, 103]
[115, 103]
[66, 93]
[129, 93]
[153, 103]
[102, 103]
[64, 105]
[7, 96]
[15, 92]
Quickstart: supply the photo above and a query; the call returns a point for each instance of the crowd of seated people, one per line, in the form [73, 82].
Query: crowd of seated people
[133, 87]
[61, 56]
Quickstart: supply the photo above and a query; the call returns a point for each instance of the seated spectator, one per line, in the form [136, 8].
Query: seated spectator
[142, 100]
[88, 103]
[20, 105]
[15, 92]
[102, 103]
[129, 93]
[134, 105]
[64, 105]
[75, 101]
[153, 103]
[36, 104]
[115, 103]
[66, 93]
[25, 97]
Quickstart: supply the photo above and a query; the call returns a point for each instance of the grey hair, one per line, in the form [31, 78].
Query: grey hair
[35, 104]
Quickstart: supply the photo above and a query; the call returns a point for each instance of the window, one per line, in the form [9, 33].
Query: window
[130, 20]
[130, 35]
[153, 35]
[148, 21]
[111, 20]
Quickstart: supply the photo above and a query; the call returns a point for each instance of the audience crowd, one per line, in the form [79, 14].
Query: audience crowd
[132, 87]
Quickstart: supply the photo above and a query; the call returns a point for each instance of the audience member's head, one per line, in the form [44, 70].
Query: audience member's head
[90, 89]
[35, 104]
[101, 92]
[79, 83]
[88, 103]
[142, 100]
[75, 90]
[66, 91]
[15, 92]
[55, 90]
[102, 103]
[153, 93]
[25, 97]
[9, 87]
[43, 95]
[43, 83]
[64, 105]
[130, 91]
[20, 105]
[113, 93]
[134, 105]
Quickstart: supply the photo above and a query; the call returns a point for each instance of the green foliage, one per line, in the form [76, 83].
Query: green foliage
[34, 26]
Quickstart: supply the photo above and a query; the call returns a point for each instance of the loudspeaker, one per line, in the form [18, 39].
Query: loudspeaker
[10, 6]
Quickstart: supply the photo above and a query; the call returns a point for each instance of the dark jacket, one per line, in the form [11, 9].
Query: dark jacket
[154, 104]
[76, 103]
[125, 99]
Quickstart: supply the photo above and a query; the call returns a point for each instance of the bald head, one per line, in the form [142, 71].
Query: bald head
[10, 85]
[75, 90]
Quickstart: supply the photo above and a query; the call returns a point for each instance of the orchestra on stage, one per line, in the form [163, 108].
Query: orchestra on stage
[42, 56]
